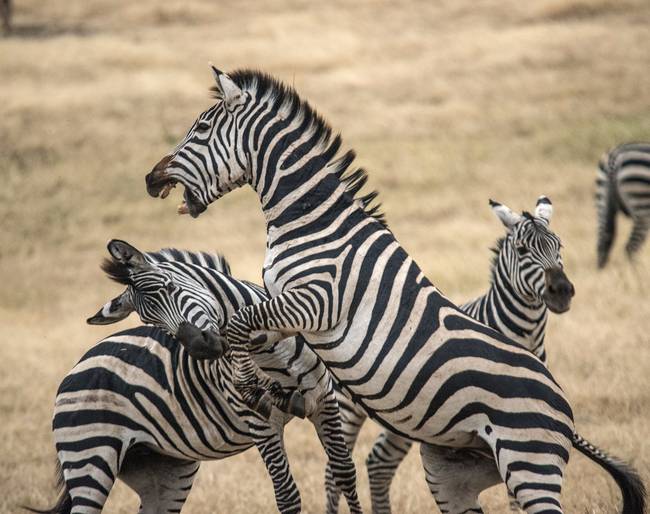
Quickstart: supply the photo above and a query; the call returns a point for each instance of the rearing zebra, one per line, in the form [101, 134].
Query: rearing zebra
[623, 184]
[138, 407]
[402, 351]
[517, 305]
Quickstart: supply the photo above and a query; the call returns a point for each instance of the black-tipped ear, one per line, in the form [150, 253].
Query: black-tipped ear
[116, 310]
[544, 208]
[127, 254]
[505, 214]
[226, 88]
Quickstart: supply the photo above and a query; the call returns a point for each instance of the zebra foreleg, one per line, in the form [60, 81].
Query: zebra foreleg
[282, 313]
[382, 462]
[456, 477]
[340, 471]
[352, 419]
[287, 496]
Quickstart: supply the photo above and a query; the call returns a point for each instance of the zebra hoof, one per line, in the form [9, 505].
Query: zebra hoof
[264, 405]
[297, 405]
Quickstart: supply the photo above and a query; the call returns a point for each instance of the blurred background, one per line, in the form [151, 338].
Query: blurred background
[447, 103]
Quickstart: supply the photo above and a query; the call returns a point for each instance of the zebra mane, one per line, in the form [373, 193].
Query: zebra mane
[204, 259]
[117, 271]
[263, 86]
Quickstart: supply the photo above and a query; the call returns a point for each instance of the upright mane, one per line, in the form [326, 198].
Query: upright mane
[264, 87]
[214, 261]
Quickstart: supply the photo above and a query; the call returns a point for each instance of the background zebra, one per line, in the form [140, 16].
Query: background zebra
[516, 305]
[138, 407]
[623, 184]
[404, 353]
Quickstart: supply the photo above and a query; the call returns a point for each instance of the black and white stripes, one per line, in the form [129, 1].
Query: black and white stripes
[403, 352]
[139, 407]
[623, 184]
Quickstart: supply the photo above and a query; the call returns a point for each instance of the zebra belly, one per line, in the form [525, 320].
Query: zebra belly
[418, 377]
[145, 400]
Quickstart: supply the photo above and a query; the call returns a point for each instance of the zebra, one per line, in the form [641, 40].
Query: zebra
[516, 304]
[338, 278]
[5, 14]
[139, 407]
[623, 184]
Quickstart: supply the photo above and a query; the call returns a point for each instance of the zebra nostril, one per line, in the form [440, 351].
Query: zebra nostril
[552, 289]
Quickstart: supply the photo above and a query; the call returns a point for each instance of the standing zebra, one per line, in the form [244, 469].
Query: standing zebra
[402, 351]
[5, 14]
[516, 304]
[623, 184]
[138, 407]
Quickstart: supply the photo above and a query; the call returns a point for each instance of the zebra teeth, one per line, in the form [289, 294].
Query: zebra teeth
[164, 193]
[183, 208]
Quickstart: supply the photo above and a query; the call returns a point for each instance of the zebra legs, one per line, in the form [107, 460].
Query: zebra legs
[282, 313]
[352, 420]
[382, 462]
[89, 473]
[456, 477]
[340, 474]
[287, 496]
[637, 236]
[162, 483]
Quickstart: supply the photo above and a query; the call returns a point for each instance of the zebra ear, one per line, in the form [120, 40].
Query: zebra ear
[508, 217]
[112, 312]
[544, 208]
[226, 89]
[127, 255]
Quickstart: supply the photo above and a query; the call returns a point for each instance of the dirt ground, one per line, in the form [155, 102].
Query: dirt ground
[447, 104]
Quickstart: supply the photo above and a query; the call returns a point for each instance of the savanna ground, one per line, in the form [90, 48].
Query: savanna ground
[447, 103]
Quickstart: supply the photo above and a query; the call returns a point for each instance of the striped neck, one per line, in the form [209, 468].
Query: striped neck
[522, 318]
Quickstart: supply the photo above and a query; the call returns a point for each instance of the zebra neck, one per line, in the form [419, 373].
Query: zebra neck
[303, 193]
[517, 317]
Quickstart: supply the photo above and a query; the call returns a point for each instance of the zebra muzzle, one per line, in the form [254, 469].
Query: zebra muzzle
[201, 344]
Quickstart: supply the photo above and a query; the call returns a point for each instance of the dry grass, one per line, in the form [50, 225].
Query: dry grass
[447, 103]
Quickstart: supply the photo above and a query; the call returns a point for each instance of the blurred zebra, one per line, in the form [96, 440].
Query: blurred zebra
[5, 14]
[403, 352]
[139, 407]
[527, 280]
[623, 184]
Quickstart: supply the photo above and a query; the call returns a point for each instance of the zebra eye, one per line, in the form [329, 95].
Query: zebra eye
[170, 287]
[522, 250]
[202, 126]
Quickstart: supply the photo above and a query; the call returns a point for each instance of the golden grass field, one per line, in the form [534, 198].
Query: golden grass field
[448, 103]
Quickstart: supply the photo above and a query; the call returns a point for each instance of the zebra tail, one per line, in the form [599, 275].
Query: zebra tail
[625, 476]
[64, 502]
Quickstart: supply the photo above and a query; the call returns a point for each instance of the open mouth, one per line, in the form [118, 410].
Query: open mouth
[160, 184]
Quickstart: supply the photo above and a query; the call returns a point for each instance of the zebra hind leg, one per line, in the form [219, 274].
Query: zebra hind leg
[162, 483]
[89, 475]
[457, 476]
[637, 236]
[382, 462]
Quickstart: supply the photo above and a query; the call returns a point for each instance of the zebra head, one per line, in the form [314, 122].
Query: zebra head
[163, 296]
[529, 257]
[211, 160]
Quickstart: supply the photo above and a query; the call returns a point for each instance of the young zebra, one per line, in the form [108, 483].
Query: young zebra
[516, 304]
[402, 351]
[138, 407]
[623, 184]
